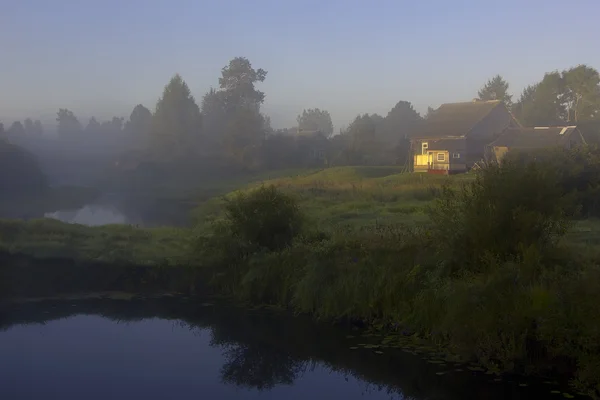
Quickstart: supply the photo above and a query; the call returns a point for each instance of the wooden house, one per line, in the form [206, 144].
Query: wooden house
[536, 138]
[454, 137]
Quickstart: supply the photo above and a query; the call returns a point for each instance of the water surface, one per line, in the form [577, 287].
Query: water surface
[183, 349]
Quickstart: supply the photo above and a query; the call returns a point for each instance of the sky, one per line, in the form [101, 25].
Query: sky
[102, 57]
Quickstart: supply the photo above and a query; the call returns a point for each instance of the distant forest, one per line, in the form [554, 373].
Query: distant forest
[227, 126]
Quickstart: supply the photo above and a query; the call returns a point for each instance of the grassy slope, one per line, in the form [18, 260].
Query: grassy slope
[356, 196]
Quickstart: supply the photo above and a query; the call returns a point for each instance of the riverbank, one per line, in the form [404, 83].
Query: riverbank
[492, 277]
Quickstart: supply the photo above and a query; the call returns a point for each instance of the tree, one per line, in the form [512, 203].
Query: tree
[177, 122]
[363, 144]
[581, 96]
[429, 113]
[542, 104]
[520, 108]
[234, 121]
[93, 127]
[214, 117]
[16, 130]
[38, 129]
[400, 122]
[496, 89]
[19, 170]
[2, 132]
[139, 125]
[243, 135]
[237, 80]
[570, 96]
[69, 126]
[315, 119]
[28, 126]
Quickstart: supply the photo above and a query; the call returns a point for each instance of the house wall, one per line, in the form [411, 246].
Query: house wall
[429, 160]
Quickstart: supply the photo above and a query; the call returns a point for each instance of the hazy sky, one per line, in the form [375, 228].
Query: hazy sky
[103, 57]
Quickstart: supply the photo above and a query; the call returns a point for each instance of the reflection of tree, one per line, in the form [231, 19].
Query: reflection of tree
[259, 367]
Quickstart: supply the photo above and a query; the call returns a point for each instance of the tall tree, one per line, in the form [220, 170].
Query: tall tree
[244, 134]
[28, 126]
[542, 104]
[400, 122]
[2, 132]
[496, 89]
[177, 122]
[238, 81]
[93, 127]
[315, 119]
[38, 128]
[430, 111]
[16, 130]
[581, 97]
[363, 144]
[69, 126]
[230, 107]
[139, 125]
[214, 118]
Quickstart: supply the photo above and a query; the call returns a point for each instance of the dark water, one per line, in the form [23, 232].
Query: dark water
[181, 349]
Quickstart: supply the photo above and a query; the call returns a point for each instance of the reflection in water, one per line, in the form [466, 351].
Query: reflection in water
[176, 348]
[92, 215]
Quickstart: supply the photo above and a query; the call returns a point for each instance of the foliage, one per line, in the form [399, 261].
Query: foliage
[523, 199]
[138, 126]
[69, 127]
[264, 218]
[19, 171]
[400, 122]
[496, 89]
[570, 96]
[177, 123]
[315, 119]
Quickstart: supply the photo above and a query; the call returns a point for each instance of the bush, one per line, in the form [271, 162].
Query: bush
[264, 218]
[506, 212]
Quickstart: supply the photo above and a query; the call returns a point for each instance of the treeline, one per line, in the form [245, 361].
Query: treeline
[228, 126]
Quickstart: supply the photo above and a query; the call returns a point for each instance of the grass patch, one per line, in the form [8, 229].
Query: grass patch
[120, 244]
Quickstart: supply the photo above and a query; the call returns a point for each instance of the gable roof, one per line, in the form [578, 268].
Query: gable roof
[534, 138]
[455, 119]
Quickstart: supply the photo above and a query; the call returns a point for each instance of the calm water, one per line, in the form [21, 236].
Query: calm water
[121, 209]
[180, 349]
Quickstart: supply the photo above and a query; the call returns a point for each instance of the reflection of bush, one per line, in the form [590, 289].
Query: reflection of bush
[259, 367]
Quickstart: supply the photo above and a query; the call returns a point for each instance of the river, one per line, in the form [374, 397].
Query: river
[126, 209]
[178, 348]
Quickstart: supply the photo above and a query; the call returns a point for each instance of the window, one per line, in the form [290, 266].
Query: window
[441, 157]
[456, 155]
[424, 147]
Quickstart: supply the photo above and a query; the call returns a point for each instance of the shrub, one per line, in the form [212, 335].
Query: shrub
[264, 218]
[508, 210]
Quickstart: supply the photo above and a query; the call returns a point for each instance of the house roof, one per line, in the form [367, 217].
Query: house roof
[532, 138]
[447, 144]
[455, 119]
